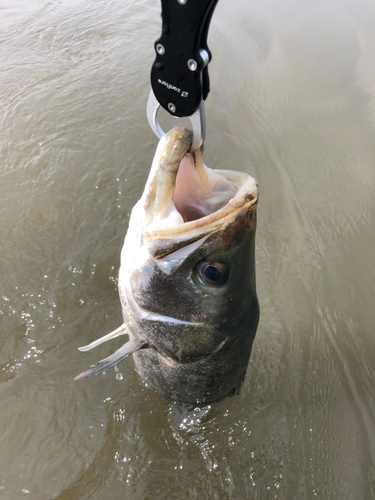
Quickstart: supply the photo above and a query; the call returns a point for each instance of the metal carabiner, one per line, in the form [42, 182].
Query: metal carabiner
[198, 121]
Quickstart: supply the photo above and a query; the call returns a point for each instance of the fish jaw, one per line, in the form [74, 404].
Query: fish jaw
[200, 337]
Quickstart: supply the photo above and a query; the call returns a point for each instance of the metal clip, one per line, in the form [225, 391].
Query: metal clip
[198, 121]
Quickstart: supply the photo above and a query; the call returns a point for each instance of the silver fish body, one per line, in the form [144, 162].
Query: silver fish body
[187, 277]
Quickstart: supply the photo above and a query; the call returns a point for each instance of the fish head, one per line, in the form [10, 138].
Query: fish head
[187, 275]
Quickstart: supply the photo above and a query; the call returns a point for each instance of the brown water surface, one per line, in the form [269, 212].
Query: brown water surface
[293, 103]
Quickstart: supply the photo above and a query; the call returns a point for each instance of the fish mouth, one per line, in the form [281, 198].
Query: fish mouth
[184, 200]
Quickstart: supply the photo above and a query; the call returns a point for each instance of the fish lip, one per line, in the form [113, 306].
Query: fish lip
[163, 241]
[163, 180]
[212, 221]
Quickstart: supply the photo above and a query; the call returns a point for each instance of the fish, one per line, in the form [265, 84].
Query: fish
[187, 281]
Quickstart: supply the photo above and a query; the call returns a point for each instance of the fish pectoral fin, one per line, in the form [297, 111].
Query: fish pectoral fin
[112, 360]
[121, 330]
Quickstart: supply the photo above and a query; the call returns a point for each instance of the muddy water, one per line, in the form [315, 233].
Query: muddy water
[293, 103]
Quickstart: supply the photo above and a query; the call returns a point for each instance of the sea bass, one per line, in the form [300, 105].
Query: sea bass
[187, 278]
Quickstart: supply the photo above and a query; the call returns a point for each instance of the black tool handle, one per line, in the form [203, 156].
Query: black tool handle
[179, 75]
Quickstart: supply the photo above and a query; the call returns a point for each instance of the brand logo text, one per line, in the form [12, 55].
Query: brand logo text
[172, 87]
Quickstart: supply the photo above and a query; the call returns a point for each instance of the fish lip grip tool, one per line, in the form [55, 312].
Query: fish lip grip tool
[179, 75]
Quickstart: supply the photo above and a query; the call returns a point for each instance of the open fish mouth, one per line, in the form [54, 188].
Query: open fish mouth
[184, 200]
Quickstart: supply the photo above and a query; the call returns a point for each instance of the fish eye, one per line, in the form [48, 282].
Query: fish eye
[212, 273]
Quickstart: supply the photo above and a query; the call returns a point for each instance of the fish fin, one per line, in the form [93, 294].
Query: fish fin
[112, 360]
[121, 330]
